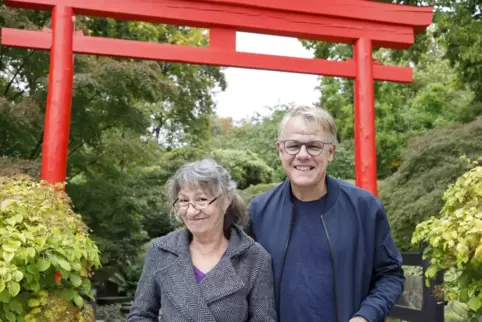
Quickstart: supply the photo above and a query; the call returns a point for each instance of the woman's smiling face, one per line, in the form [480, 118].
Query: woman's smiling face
[200, 210]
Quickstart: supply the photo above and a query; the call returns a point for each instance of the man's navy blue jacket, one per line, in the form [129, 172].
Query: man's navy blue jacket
[367, 264]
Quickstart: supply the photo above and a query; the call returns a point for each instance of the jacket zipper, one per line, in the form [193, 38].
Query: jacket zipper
[278, 298]
[333, 266]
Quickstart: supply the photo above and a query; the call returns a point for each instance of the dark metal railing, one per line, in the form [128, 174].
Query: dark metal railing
[432, 308]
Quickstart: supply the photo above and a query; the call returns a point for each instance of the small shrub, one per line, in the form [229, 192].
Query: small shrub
[46, 255]
[454, 241]
[246, 167]
[252, 191]
[343, 165]
[430, 163]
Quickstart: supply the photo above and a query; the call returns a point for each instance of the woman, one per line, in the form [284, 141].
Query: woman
[211, 270]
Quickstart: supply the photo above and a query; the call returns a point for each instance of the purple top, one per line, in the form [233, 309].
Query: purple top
[200, 275]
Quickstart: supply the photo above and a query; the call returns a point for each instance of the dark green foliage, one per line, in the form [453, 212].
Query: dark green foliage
[343, 165]
[258, 134]
[245, 167]
[252, 191]
[429, 164]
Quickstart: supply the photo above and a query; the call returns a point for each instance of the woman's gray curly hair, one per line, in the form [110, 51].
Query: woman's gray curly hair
[215, 179]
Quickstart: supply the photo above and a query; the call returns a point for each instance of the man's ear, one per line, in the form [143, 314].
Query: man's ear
[332, 153]
[280, 149]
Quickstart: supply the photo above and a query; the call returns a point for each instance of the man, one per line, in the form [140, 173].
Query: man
[334, 259]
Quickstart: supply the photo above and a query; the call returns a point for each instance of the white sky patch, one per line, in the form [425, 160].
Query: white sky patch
[250, 90]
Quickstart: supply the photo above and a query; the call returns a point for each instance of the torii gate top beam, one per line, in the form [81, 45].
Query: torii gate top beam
[345, 21]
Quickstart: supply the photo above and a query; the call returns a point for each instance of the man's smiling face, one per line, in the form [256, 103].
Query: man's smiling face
[307, 167]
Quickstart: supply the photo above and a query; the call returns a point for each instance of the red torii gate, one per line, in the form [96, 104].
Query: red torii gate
[364, 24]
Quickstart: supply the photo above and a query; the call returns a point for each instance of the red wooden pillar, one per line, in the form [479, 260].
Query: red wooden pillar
[365, 145]
[59, 98]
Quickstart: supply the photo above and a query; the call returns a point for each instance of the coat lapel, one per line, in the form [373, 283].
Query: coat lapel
[179, 285]
[220, 282]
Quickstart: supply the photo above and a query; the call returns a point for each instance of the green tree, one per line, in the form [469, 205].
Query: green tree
[429, 164]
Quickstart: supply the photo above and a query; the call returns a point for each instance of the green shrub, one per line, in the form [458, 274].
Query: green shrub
[245, 167]
[343, 165]
[454, 241]
[430, 163]
[46, 256]
[254, 190]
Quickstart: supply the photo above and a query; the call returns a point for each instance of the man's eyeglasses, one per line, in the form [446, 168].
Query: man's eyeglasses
[313, 148]
[198, 204]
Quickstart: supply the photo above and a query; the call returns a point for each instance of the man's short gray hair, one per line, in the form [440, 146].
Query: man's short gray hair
[312, 114]
[214, 178]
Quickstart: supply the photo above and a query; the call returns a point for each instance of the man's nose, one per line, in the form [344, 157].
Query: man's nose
[303, 153]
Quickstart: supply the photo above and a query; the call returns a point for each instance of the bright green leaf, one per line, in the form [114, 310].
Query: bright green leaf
[8, 256]
[11, 317]
[68, 294]
[76, 280]
[43, 264]
[20, 237]
[475, 303]
[17, 276]
[65, 265]
[32, 269]
[78, 301]
[31, 252]
[33, 303]
[2, 285]
[13, 288]
[11, 246]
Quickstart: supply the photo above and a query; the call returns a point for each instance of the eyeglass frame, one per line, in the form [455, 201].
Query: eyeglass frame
[193, 204]
[304, 144]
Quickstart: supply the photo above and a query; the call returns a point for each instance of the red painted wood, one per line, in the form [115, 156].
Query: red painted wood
[197, 55]
[365, 144]
[59, 98]
[353, 9]
[265, 21]
[221, 38]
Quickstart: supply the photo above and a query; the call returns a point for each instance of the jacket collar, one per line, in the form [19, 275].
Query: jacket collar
[178, 242]
[332, 186]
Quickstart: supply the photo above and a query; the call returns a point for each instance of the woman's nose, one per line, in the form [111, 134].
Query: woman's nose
[191, 210]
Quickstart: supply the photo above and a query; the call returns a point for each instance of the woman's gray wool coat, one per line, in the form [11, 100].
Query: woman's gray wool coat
[238, 289]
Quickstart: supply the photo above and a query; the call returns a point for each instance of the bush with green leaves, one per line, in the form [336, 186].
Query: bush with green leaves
[254, 190]
[343, 165]
[430, 163]
[46, 257]
[454, 241]
[246, 167]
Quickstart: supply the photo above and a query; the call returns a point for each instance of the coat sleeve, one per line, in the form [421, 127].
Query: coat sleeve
[147, 301]
[387, 277]
[261, 298]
